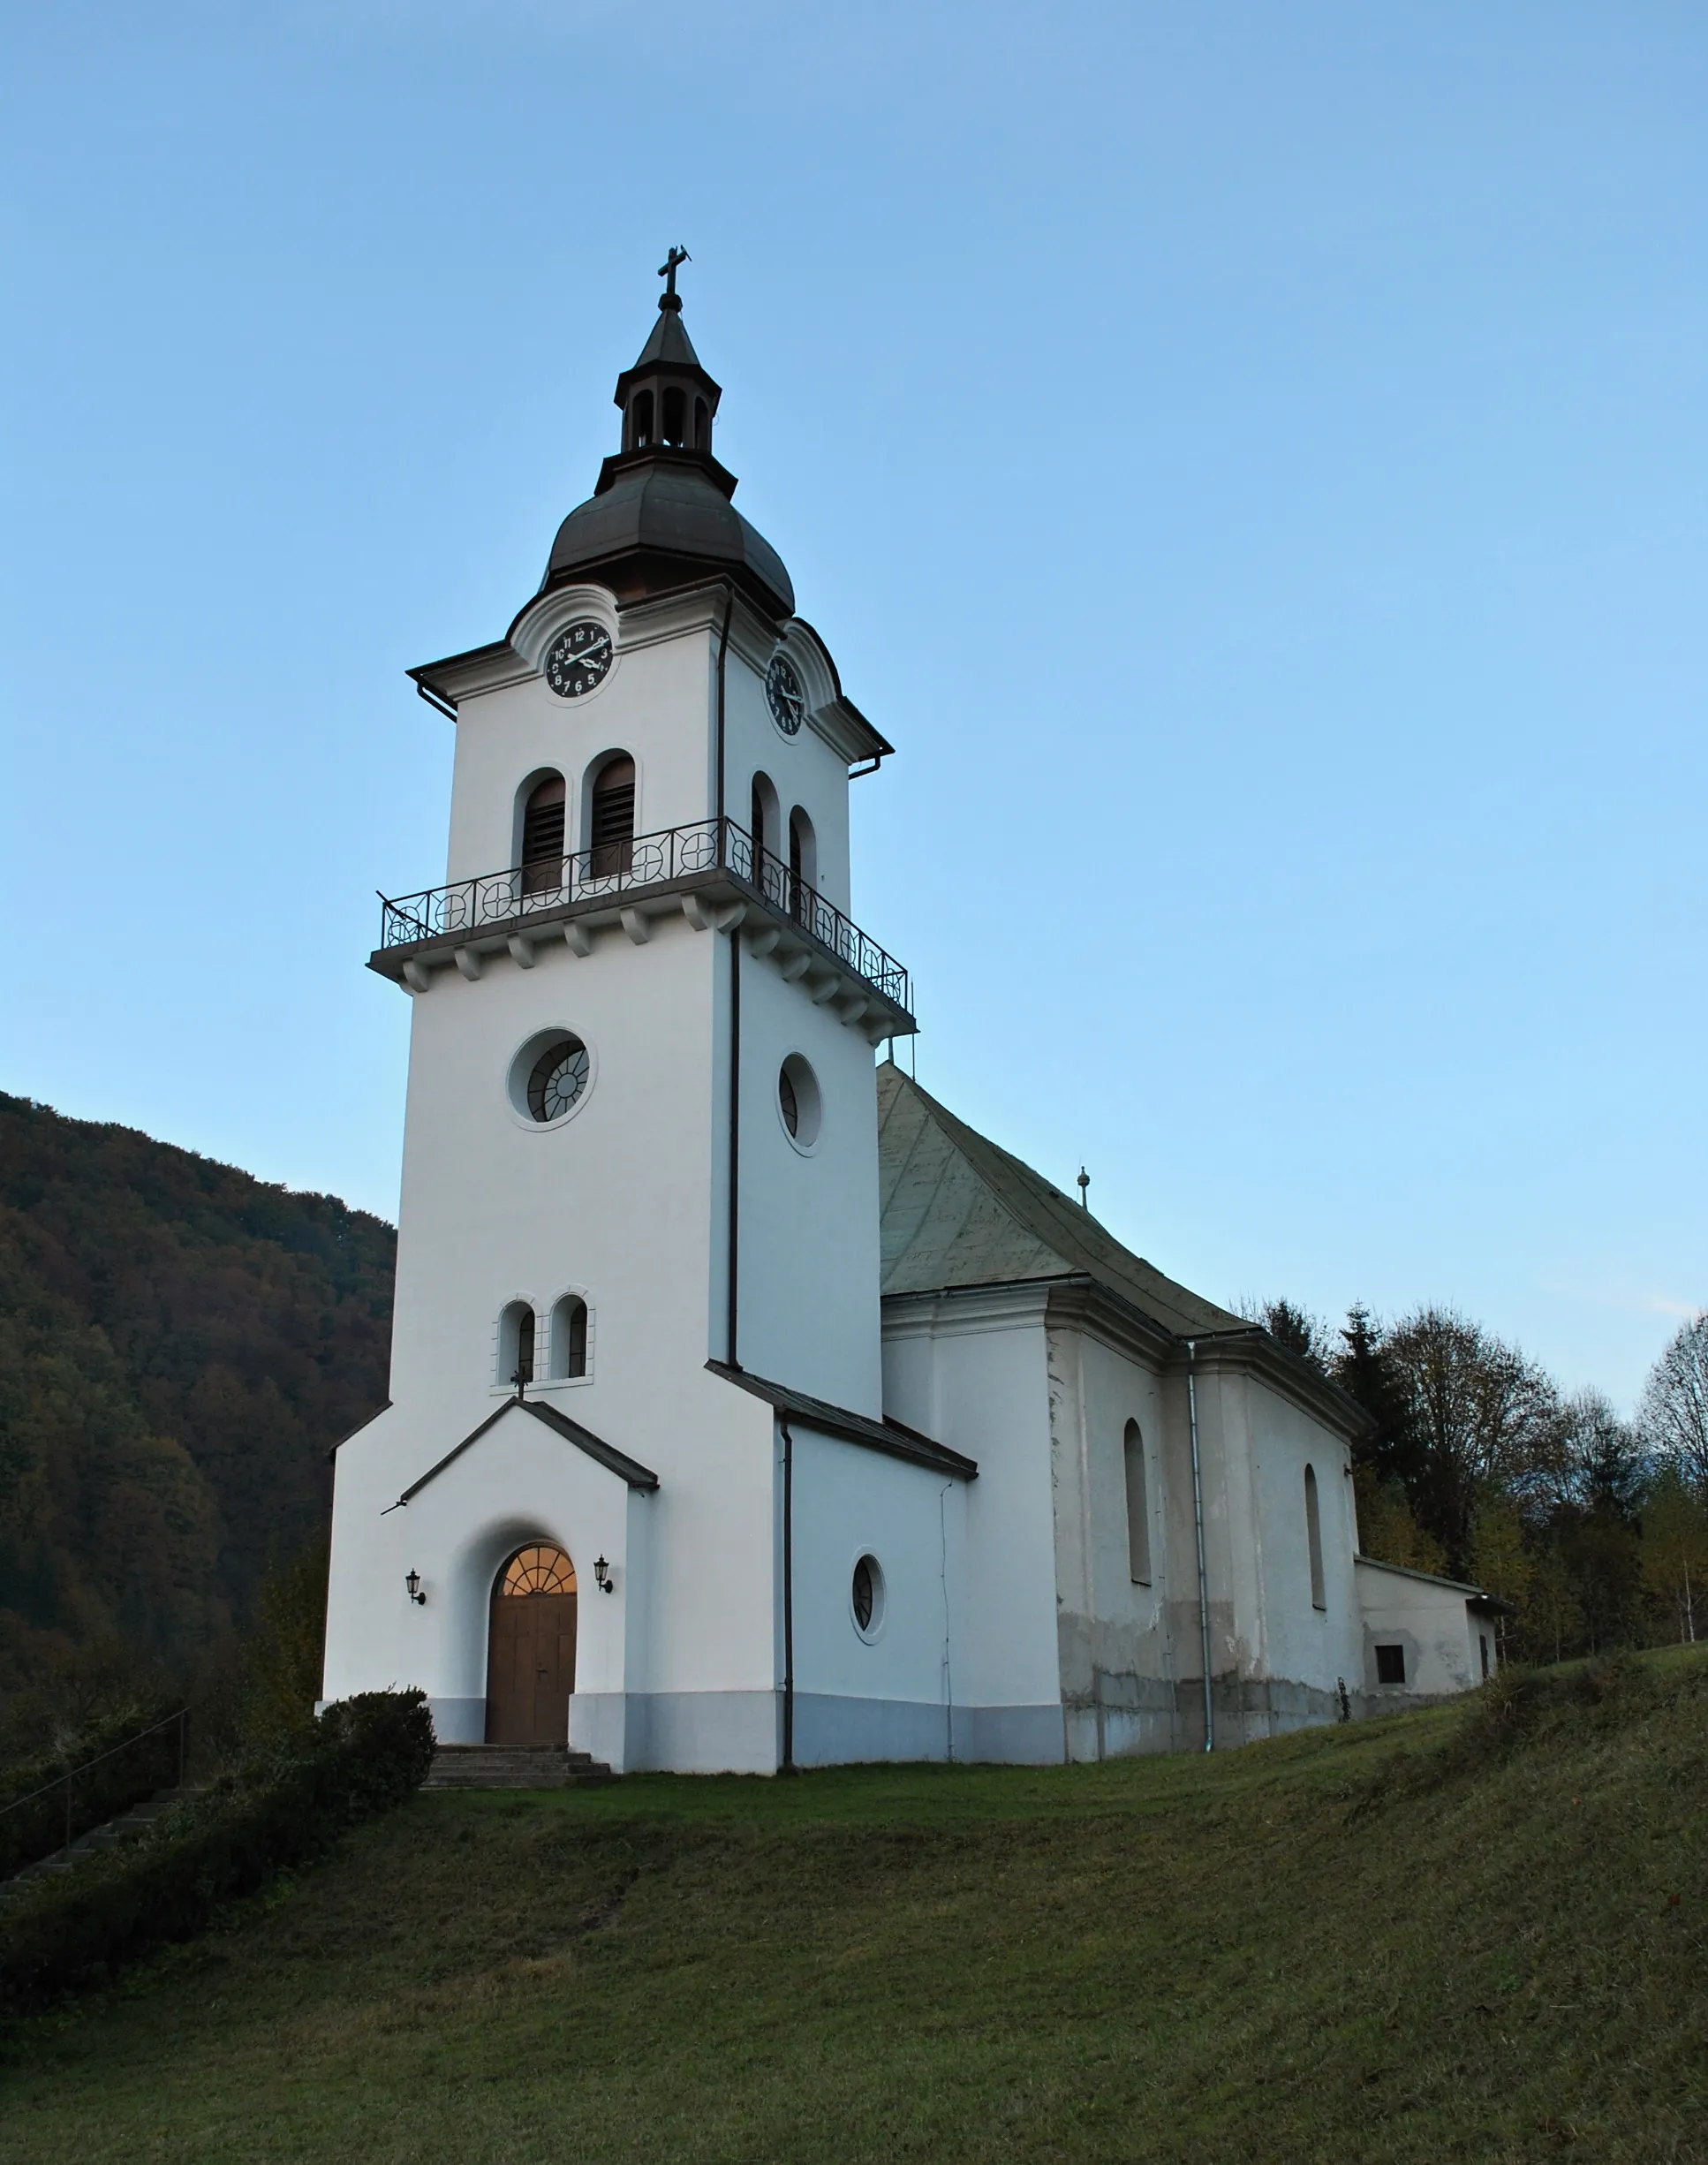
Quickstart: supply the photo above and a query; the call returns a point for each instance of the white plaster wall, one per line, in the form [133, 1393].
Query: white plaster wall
[1299, 1642]
[809, 1224]
[1115, 1634]
[803, 769]
[849, 1502]
[973, 1373]
[1429, 1619]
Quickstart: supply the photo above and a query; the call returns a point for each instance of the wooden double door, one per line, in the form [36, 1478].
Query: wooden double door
[530, 1662]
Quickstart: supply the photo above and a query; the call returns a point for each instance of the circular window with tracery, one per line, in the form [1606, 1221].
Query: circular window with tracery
[867, 1596]
[558, 1077]
[539, 1570]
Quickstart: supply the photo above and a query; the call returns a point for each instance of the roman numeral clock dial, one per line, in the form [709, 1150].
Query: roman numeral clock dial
[580, 659]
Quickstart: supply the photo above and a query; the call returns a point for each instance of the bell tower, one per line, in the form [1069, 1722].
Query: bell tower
[639, 1203]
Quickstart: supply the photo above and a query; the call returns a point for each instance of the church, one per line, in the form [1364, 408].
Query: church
[748, 1410]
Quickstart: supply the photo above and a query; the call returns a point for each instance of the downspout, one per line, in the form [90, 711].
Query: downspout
[1203, 1577]
[732, 1260]
[723, 649]
[788, 1600]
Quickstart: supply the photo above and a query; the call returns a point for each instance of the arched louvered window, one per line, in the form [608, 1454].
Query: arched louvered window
[1313, 1531]
[803, 866]
[516, 1344]
[1138, 1506]
[640, 421]
[570, 1337]
[611, 819]
[763, 809]
[542, 837]
[676, 414]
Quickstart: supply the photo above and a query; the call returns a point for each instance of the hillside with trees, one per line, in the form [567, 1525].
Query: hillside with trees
[180, 1344]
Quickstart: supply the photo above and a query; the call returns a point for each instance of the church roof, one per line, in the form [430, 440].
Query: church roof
[959, 1211]
[661, 523]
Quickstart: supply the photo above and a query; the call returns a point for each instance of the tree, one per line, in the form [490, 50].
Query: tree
[1603, 1467]
[1387, 1529]
[1675, 1548]
[1364, 1368]
[1484, 1417]
[1500, 1559]
[1296, 1329]
[1555, 1621]
[1673, 1416]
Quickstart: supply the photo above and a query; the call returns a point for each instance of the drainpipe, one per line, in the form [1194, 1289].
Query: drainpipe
[788, 1600]
[1203, 1577]
[733, 1258]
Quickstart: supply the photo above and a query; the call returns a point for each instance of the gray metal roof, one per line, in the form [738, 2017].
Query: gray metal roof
[666, 512]
[957, 1210]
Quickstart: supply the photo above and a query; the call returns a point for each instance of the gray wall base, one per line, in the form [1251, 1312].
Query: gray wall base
[458, 1720]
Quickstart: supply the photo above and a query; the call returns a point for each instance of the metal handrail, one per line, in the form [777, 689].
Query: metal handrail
[494, 899]
[70, 1774]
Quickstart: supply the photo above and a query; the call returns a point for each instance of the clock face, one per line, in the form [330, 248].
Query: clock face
[782, 688]
[580, 658]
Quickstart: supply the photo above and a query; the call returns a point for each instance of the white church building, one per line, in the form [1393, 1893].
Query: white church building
[747, 1409]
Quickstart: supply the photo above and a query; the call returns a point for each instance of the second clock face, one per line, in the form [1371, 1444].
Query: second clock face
[580, 658]
[782, 688]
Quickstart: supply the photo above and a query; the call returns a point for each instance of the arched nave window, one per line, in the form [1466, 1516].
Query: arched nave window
[569, 1341]
[516, 1344]
[1138, 1506]
[1313, 1529]
[611, 818]
[541, 853]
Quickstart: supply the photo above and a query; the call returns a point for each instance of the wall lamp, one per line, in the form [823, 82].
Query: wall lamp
[413, 1582]
[602, 1578]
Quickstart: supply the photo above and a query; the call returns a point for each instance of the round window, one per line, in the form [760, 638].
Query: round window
[866, 1595]
[549, 1076]
[798, 1102]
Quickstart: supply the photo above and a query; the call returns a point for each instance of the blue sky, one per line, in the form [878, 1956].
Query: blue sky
[1249, 460]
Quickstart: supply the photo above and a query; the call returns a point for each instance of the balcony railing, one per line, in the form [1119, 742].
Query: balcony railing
[495, 900]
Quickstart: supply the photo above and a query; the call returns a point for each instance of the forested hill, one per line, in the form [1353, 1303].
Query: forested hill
[179, 1347]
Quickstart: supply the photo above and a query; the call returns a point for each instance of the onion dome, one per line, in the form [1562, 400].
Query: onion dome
[660, 518]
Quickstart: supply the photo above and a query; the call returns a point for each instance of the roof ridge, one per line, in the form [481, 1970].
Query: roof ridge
[1053, 1222]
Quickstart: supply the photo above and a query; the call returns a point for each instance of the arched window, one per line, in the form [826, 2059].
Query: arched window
[676, 414]
[1313, 1529]
[803, 866]
[516, 1344]
[1138, 1507]
[569, 1352]
[640, 421]
[541, 853]
[763, 809]
[541, 1569]
[702, 425]
[611, 819]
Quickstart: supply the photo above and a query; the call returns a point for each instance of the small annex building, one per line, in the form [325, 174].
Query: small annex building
[747, 1408]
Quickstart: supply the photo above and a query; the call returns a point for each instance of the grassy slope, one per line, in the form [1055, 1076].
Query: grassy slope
[1435, 1937]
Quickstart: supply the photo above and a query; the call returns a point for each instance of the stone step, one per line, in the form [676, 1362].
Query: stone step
[98, 1839]
[514, 1766]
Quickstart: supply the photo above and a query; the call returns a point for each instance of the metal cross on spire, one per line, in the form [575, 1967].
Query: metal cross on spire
[666, 270]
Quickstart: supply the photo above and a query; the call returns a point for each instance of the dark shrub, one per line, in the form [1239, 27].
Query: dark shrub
[366, 1755]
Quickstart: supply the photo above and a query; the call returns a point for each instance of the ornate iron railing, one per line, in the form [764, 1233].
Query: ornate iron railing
[495, 900]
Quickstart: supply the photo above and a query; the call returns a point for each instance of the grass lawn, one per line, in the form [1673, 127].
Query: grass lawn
[1447, 1936]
